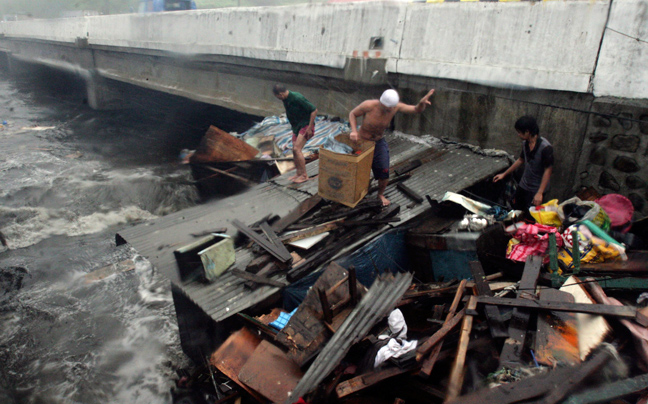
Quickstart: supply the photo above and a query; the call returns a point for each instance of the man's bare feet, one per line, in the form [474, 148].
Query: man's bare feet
[292, 178]
[300, 178]
[385, 201]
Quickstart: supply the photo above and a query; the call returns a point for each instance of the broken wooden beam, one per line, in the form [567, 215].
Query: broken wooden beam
[408, 167]
[601, 309]
[410, 193]
[512, 350]
[267, 245]
[310, 232]
[303, 208]
[257, 278]
[457, 373]
[448, 326]
[496, 325]
[233, 176]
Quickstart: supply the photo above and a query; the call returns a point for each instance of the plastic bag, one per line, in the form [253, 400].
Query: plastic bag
[550, 213]
[592, 249]
[575, 211]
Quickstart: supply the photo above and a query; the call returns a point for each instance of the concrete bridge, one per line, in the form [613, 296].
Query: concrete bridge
[490, 61]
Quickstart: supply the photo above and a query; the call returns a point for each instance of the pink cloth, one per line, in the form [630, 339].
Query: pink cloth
[618, 208]
[534, 240]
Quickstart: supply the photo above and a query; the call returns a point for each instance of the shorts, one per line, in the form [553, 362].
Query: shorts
[380, 164]
[302, 132]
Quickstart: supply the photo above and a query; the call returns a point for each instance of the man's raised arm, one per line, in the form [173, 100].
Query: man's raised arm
[418, 108]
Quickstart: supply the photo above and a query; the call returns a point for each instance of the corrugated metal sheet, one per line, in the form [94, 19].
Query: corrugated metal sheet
[375, 305]
[443, 169]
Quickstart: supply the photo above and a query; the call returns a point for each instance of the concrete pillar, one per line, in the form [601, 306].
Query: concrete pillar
[102, 93]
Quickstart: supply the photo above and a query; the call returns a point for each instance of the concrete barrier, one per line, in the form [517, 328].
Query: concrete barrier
[621, 69]
[541, 45]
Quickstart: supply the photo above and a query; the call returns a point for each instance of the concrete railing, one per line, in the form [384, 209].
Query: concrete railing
[553, 45]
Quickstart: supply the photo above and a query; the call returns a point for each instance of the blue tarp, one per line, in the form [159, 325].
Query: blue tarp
[386, 253]
[279, 127]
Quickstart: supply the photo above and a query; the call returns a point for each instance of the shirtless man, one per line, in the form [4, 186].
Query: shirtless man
[377, 114]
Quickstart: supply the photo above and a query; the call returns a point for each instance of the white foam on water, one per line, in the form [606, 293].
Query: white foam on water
[25, 226]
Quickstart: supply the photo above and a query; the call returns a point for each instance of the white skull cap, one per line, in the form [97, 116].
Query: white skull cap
[389, 98]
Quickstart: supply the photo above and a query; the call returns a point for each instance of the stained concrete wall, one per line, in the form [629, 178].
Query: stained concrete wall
[621, 69]
[545, 45]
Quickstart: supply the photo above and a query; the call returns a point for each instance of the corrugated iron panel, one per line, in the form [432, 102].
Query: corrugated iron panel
[375, 305]
[443, 169]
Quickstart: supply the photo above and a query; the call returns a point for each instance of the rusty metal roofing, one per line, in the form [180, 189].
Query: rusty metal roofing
[445, 168]
[375, 305]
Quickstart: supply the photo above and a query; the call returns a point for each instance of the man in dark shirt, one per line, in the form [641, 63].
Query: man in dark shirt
[301, 115]
[537, 155]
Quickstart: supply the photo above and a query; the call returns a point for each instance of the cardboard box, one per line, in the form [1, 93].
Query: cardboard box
[344, 178]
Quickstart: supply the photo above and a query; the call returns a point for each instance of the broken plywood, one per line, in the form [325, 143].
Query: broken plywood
[270, 372]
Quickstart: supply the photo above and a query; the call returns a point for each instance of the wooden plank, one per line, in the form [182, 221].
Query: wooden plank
[370, 222]
[448, 326]
[367, 380]
[627, 312]
[514, 344]
[556, 341]
[408, 167]
[262, 241]
[409, 192]
[428, 364]
[103, 273]
[257, 278]
[496, 325]
[312, 231]
[270, 235]
[303, 208]
[457, 373]
[276, 384]
[270, 331]
[233, 176]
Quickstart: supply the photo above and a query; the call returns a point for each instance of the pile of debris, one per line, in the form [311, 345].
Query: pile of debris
[533, 327]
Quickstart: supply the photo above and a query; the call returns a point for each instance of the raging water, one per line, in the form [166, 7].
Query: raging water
[70, 178]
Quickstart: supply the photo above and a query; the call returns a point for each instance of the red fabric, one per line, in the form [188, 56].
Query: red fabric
[534, 240]
[618, 208]
[302, 132]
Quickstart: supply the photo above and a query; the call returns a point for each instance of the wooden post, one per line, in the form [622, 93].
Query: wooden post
[512, 350]
[575, 252]
[428, 364]
[353, 287]
[553, 254]
[326, 309]
[457, 372]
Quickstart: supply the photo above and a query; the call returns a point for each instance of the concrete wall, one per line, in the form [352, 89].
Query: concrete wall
[545, 45]
[621, 69]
